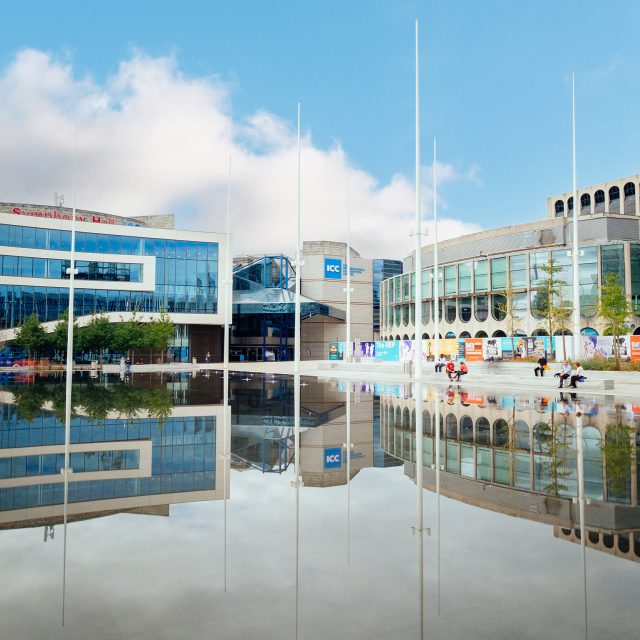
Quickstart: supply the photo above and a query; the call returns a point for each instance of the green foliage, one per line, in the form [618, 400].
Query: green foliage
[606, 364]
[31, 336]
[159, 332]
[619, 455]
[549, 301]
[554, 442]
[58, 337]
[614, 310]
[98, 335]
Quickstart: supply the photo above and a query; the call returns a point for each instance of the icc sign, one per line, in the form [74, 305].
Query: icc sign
[332, 458]
[333, 268]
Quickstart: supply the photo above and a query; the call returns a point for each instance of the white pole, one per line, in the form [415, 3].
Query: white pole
[576, 253]
[418, 260]
[348, 336]
[583, 533]
[296, 392]
[436, 293]
[348, 467]
[69, 376]
[226, 456]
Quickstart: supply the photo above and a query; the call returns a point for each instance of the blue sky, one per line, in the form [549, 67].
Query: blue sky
[495, 83]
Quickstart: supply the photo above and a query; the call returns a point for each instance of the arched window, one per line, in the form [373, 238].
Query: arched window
[466, 429]
[500, 433]
[426, 423]
[559, 332]
[413, 420]
[483, 428]
[481, 334]
[499, 334]
[522, 435]
[398, 421]
[598, 200]
[499, 307]
[450, 310]
[559, 208]
[449, 335]
[585, 204]
[405, 314]
[630, 198]
[539, 332]
[451, 425]
[570, 205]
[481, 308]
[425, 336]
[614, 200]
[464, 308]
[465, 334]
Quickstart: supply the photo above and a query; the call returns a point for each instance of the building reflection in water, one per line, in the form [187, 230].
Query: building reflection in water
[519, 455]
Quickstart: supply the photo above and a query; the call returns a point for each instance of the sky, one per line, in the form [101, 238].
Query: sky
[162, 95]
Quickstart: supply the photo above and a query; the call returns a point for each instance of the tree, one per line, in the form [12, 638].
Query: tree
[128, 335]
[31, 336]
[510, 314]
[58, 338]
[98, 335]
[614, 310]
[159, 332]
[549, 303]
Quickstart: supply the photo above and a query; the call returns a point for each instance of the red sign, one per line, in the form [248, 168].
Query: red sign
[62, 216]
[635, 347]
[473, 349]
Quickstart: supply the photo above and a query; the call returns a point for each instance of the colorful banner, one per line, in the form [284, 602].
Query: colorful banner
[367, 350]
[335, 351]
[634, 347]
[387, 350]
[473, 350]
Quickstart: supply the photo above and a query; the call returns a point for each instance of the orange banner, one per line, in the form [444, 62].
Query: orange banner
[635, 347]
[473, 349]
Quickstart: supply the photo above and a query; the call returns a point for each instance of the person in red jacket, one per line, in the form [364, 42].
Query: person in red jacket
[450, 369]
[462, 371]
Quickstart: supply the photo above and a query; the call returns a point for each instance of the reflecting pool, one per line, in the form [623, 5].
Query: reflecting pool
[439, 512]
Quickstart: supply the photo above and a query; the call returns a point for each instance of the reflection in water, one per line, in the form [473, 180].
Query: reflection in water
[141, 446]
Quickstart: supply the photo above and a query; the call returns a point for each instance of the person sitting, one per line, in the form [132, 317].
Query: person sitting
[542, 365]
[577, 375]
[441, 363]
[462, 371]
[450, 369]
[565, 373]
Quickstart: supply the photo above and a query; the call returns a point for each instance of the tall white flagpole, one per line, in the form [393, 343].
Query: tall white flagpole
[226, 455]
[418, 261]
[69, 378]
[348, 336]
[436, 266]
[576, 253]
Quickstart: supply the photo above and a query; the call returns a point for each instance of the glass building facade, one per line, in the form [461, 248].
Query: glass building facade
[382, 269]
[186, 274]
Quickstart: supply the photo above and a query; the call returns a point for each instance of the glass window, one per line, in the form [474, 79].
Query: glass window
[28, 237]
[498, 274]
[115, 244]
[397, 284]
[481, 308]
[635, 277]
[91, 242]
[10, 266]
[612, 261]
[537, 274]
[464, 277]
[450, 280]
[588, 281]
[54, 240]
[405, 287]
[426, 284]
[4, 235]
[499, 307]
[481, 275]
[450, 310]
[518, 271]
[65, 240]
[39, 268]
[127, 245]
[41, 239]
[464, 305]
[103, 243]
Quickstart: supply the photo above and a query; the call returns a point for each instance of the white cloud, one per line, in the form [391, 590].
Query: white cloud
[154, 141]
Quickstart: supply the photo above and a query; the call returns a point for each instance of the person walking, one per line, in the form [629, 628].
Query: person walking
[542, 365]
[565, 373]
[577, 375]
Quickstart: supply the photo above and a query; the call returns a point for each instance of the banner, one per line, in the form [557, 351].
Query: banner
[634, 350]
[473, 349]
[367, 350]
[335, 351]
[387, 350]
[492, 348]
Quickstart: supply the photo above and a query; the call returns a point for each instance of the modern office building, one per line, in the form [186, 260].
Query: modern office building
[123, 265]
[478, 271]
[382, 269]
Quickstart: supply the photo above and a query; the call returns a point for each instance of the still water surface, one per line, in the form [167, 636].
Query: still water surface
[172, 534]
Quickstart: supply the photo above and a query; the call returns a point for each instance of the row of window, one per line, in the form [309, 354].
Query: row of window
[56, 240]
[18, 302]
[26, 267]
[80, 462]
[52, 494]
[516, 272]
[599, 198]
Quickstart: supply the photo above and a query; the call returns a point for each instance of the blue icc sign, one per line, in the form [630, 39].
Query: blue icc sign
[332, 458]
[333, 268]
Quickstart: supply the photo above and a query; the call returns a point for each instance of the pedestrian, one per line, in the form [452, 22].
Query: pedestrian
[462, 371]
[441, 363]
[207, 357]
[565, 373]
[542, 366]
[127, 364]
[577, 375]
[450, 369]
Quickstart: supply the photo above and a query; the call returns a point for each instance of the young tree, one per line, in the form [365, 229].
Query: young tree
[128, 335]
[58, 338]
[98, 335]
[549, 303]
[159, 332]
[31, 336]
[510, 313]
[614, 310]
